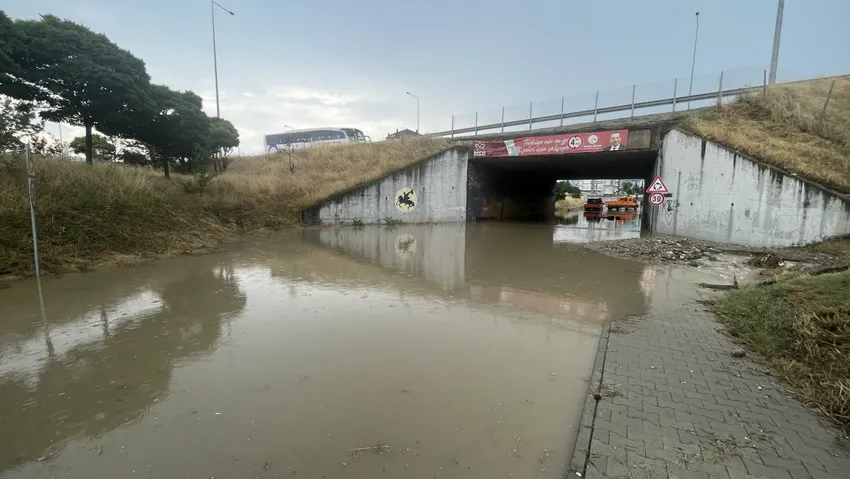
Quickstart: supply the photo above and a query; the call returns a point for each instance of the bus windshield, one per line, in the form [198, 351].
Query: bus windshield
[354, 134]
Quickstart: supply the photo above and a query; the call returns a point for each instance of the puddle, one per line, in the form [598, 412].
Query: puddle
[417, 352]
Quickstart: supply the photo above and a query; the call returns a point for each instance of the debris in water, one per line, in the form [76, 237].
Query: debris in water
[378, 448]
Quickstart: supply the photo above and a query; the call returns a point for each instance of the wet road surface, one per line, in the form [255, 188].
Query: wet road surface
[584, 226]
[419, 352]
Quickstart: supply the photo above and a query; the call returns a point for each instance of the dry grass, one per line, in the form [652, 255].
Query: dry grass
[802, 327]
[784, 128]
[562, 206]
[111, 214]
[839, 248]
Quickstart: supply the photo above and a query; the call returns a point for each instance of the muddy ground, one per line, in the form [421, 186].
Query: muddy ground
[695, 253]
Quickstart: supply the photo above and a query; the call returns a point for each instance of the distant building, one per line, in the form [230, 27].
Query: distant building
[602, 187]
[402, 134]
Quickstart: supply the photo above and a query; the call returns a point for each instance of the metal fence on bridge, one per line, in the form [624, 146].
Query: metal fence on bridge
[676, 94]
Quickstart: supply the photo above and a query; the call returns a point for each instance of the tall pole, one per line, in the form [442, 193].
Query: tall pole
[213, 4]
[777, 32]
[694, 60]
[417, 110]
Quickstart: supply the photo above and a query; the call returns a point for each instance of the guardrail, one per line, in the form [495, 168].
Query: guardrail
[718, 94]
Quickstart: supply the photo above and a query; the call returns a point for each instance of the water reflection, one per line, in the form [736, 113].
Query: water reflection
[111, 356]
[283, 354]
[513, 264]
[584, 226]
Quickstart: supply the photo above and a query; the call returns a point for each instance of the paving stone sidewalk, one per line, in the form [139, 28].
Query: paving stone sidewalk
[675, 404]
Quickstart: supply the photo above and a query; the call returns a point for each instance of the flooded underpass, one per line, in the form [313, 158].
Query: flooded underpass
[585, 226]
[416, 351]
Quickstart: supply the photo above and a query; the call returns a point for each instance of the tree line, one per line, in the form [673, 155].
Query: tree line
[56, 70]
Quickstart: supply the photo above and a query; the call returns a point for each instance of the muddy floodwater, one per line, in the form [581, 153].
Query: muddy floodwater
[460, 351]
[584, 226]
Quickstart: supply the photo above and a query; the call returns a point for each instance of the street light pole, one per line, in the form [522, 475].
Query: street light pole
[777, 32]
[213, 4]
[694, 60]
[287, 126]
[417, 110]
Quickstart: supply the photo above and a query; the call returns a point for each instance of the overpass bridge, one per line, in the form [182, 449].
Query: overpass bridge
[715, 193]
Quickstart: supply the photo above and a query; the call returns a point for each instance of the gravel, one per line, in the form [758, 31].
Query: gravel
[675, 250]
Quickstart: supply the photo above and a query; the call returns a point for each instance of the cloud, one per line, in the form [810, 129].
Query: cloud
[257, 113]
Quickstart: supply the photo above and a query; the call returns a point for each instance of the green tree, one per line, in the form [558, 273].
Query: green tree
[564, 189]
[174, 128]
[223, 138]
[628, 188]
[102, 148]
[17, 122]
[76, 76]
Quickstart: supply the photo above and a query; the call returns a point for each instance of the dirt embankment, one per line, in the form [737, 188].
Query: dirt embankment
[109, 215]
[775, 264]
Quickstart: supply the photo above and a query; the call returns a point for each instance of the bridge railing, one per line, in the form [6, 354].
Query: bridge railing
[676, 94]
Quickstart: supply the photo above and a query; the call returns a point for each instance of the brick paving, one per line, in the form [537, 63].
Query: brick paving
[673, 403]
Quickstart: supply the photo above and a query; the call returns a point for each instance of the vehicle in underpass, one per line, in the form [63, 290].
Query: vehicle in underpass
[594, 204]
[624, 202]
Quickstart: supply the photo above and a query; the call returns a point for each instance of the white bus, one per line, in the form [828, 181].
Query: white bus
[298, 139]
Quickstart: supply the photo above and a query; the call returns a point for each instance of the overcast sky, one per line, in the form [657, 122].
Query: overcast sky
[349, 63]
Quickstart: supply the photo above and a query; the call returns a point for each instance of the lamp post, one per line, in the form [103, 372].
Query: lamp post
[694, 60]
[417, 110]
[214, 4]
[287, 126]
[777, 32]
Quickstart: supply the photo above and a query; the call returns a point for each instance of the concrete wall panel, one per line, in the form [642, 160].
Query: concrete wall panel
[720, 195]
[439, 184]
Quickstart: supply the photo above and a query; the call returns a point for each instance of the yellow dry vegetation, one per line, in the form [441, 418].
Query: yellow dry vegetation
[786, 127]
[108, 214]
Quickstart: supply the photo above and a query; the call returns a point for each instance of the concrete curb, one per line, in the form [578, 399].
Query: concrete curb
[581, 450]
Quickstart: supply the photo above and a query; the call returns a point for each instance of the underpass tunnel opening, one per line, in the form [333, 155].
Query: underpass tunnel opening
[524, 188]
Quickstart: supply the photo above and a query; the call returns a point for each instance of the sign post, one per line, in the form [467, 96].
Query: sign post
[31, 195]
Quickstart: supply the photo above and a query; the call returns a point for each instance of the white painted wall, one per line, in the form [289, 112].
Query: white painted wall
[439, 183]
[720, 195]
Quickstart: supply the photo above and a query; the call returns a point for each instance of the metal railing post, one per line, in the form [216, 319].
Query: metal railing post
[503, 119]
[562, 111]
[764, 85]
[453, 126]
[476, 124]
[530, 116]
[633, 100]
[675, 86]
[596, 106]
[720, 90]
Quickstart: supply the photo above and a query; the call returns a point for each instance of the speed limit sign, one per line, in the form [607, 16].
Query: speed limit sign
[656, 199]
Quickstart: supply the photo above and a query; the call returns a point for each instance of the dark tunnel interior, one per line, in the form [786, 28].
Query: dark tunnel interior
[523, 188]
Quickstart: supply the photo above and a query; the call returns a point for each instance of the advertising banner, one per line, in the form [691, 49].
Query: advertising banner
[591, 142]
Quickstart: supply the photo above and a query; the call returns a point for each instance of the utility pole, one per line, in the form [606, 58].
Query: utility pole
[694, 60]
[213, 4]
[777, 32]
[417, 110]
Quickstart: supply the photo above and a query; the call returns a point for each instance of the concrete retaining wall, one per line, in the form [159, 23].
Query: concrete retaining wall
[720, 195]
[438, 185]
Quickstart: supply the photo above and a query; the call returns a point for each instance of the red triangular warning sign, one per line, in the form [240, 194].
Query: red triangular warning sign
[657, 186]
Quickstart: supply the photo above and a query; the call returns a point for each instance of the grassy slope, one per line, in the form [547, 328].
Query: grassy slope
[802, 327]
[783, 128]
[567, 203]
[108, 214]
